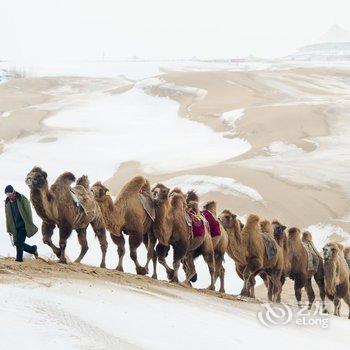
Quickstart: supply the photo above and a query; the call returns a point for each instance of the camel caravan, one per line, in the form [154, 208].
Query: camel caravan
[162, 218]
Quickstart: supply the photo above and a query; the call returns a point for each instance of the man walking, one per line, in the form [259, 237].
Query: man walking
[19, 222]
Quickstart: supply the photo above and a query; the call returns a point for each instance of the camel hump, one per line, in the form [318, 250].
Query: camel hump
[84, 181]
[252, 219]
[266, 227]
[66, 178]
[136, 184]
[192, 196]
[177, 201]
[211, 206]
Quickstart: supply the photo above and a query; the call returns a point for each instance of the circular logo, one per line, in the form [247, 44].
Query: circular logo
[276, 314]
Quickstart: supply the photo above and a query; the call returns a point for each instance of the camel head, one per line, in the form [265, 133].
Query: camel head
[278, 228]
[331, 251]
[227, 219]
[192, 196]
[293, 233]
[211, 206]
[36, 178]
[99, 191]
[160, 194]
[306, 237]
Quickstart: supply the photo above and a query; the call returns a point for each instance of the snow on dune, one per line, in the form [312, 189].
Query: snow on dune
[325, 233]
[97, 137]
[204, 184]
[231, 117]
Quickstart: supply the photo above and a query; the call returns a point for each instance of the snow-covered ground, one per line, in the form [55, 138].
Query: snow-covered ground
[95, 314]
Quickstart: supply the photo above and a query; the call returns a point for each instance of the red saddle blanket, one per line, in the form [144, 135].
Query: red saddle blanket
[214, 225]
[198, 228]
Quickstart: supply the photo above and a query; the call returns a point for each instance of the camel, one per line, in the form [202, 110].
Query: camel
[235, 249]
[336, 276]
[258, 261]
[302, 269]
[126, 214]
[220, 241]
[169, 229]
[198, 245]
[68, 209]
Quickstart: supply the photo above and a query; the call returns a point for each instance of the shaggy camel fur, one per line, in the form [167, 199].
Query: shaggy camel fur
[126, 214]
[220, 244]
[202, 245]
[56, 207]
[235, 249]
[336, 273]
[257, 260]
[299, 271]
[169, 228]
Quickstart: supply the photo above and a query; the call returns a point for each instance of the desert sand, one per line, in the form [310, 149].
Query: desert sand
[294, 109]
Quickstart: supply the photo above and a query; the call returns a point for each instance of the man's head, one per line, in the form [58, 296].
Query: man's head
[9, 190]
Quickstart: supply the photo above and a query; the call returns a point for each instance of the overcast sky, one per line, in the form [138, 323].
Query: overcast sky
[85, 29]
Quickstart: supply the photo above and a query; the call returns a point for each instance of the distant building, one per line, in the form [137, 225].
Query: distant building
[334, 45]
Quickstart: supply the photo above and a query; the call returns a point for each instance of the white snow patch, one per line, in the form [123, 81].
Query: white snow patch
[280, 147]
[5, 114]
[204, 184]
[322, 234]
[231, 117]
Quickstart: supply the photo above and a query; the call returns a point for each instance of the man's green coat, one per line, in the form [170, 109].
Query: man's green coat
[26, 212]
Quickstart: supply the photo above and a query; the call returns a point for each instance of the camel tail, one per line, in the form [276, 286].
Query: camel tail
[84, 181]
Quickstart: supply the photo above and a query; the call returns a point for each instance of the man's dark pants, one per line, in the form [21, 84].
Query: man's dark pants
[22, 246]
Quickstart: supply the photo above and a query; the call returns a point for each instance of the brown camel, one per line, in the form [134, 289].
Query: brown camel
[235, 249]
[336, 275]
[198, 245]
[126, 214]
[67, 208]
[220, 241]
[305, 262]
[169, 229]
[258, 260]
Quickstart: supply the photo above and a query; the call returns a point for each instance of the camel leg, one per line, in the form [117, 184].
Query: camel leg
[151, 254]
[100, 232]
[283, 280]
[162, 252]
[83, 244]
[299, 283]
[319, 279]
[220, 270]
[337, 305]
[135, 240]
[179, 252]
[252, 283]
[347, 300]
[120, 242]
[276, 285]
[65, 232]
[310, 293]
[209, 259]
[189, 267]
[47, 232]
